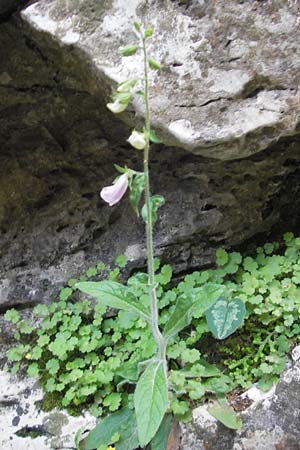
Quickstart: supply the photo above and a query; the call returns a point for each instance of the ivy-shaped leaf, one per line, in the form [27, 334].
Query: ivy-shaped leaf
[150, 401]
[225, 317]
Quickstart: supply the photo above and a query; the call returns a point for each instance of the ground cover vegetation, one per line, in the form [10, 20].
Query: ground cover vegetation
[87, 356]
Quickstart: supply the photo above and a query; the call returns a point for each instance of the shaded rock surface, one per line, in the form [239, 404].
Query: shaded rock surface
[270, 424]
[227, 101]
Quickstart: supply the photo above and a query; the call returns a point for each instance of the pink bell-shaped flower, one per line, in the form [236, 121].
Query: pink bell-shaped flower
[113, 194]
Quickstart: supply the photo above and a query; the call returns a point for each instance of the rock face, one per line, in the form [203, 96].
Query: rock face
[24, 426]
[226, 105]
[270, 424]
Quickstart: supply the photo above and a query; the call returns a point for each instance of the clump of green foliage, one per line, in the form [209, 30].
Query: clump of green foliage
[269, 284]
[89, 356]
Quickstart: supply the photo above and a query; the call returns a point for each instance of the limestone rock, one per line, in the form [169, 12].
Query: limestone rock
[24, 426]
[230, 78]
[271, 423]
[226, 99]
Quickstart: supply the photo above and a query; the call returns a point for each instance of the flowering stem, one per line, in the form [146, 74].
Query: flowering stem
[159, 339]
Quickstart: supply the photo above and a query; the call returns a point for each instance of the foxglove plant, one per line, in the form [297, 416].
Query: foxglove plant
[152, 392]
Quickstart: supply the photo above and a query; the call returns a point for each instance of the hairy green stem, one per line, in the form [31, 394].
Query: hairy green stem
[159, 339]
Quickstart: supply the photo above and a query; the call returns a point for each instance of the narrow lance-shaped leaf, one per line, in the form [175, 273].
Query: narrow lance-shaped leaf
[126, 86]
[180, 318]
[154, 138]
[225, 317]
[150, 401]
[137, 26]
[121, 169]
[113, 294]
[137, 187]
[153, 64]
[195, 302]
[129, 50]
[123, 423]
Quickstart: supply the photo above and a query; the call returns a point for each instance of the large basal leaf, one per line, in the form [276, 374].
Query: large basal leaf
[226, 415]
[160, 440]
[181, 316]
[113, 294]
[150, 401]
[123, 423]
[225, 317]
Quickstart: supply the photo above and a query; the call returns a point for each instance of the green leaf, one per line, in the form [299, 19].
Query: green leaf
[121, 261]
[65, 293]
[113, 401]
[126, 86]
[122, 97]
[150, 401]
[33, 370]
[120, 169]
[52, 366]
[136, 189]
[141, 93]
[148, 32]
[25, 327]
[128, 371]
[267, 382]
[137, 26]
[222, 257]
[181, 316]
[101, 265]
[154, 138]
[16, 353]
[205, 296]
[122, 422]
[226, 415]
[156, 202]
[225, 317]
[196, 389]
[129, 50]
[153, 64]
[91, 272]
[12, 315]
[165, 275]
[160, 440]
[41, 310]
[114, 295]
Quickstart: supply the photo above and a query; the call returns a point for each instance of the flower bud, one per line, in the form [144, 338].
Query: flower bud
[137, 140]
[116, 107]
